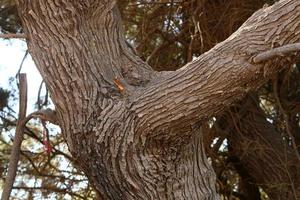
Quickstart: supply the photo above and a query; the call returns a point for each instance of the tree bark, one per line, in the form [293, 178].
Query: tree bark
[133, 130]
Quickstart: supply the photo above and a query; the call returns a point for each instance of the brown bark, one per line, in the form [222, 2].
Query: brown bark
[131, 129]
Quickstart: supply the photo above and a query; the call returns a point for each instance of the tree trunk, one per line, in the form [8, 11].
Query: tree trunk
[132, 130]
[269, 160]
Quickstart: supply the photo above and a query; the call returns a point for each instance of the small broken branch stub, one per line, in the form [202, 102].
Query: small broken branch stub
[276, 52]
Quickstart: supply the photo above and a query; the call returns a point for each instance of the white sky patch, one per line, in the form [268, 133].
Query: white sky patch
[11, 55]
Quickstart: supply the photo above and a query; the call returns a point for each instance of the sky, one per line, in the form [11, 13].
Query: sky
[11, 55]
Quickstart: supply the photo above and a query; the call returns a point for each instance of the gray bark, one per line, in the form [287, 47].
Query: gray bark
[133, 130]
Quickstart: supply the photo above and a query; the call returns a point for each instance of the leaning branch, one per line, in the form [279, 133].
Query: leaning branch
[13, 36]
[277, 52]
[215, 80]
[45, 115]
[15, 153]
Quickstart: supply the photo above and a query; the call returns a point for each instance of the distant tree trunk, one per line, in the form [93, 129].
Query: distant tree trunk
[269, 161]
[134, 131]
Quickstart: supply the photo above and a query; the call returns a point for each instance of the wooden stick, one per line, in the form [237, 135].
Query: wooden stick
[277, 52]
[44, 115]
[13, 36]
[15, 152]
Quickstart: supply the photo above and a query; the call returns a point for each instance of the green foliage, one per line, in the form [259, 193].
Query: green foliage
[9, 20]
[4, 95]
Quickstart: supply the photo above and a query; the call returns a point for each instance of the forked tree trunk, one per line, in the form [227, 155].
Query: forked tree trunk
[132, 130]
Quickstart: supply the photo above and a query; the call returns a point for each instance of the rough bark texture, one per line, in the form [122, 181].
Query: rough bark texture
[133, 131]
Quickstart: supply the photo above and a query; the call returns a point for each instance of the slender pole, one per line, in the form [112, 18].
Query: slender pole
[15, 152]
[13, 36]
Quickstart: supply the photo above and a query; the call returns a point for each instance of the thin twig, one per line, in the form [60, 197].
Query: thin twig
[276, 52]
[286, 118]
[39, 102]
[50, 188]
[288, 130]
[22, 63]
[13, 36]
[15, 153]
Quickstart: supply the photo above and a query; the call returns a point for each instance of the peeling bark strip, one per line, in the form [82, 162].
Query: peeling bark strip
[144, 144]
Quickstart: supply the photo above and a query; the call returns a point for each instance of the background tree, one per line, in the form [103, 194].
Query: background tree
[261, 132]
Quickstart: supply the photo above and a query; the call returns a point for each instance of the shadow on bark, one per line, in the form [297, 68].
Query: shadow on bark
[262, 155]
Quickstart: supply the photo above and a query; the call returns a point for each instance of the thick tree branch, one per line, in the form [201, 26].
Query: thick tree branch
[195, 92]
[15, 152]
[218, 78]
